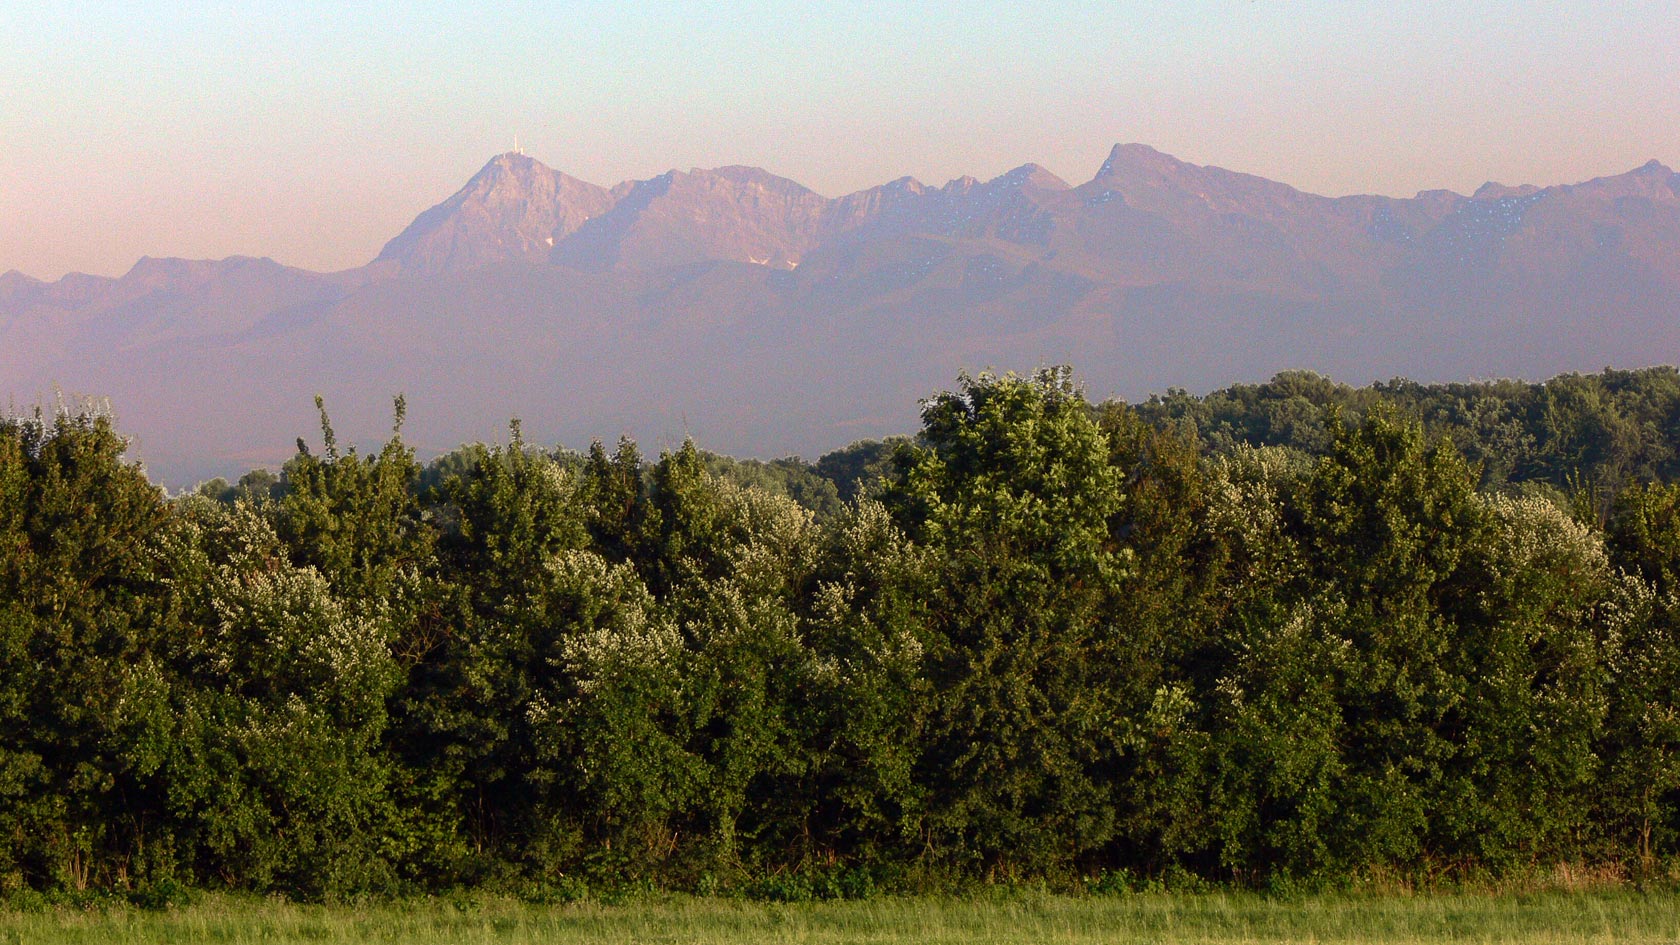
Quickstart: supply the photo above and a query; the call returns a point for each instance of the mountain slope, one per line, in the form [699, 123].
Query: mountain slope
[763, 318]
[736, 213]
[514, 208]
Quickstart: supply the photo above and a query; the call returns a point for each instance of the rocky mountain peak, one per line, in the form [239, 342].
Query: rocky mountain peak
[1137, 157]
[1035, 176]
[735, 213]
[1493, 190]
[514, 209]
[12, 279]
[668, 288]
[15, 286]
[1652, 180]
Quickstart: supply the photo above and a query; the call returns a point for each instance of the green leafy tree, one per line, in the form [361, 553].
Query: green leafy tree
[277, 770]
[80, 698]
[1269, 673]
[1531, 649]
[355, 519]
[1012, 491]
[612, 731]
[615, 490]
[1385, 524]
[866, 616]
[726, 561]
[1641, 745]
[463, 728]
[861, 469]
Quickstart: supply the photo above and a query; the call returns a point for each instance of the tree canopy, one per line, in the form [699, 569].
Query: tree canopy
[1290, 631]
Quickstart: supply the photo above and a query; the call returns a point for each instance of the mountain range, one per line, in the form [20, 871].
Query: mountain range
[763, 318]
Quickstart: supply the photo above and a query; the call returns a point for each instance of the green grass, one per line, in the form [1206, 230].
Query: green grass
[1547, 917]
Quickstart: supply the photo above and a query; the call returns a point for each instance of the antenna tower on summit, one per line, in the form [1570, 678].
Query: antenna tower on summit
[516, 148]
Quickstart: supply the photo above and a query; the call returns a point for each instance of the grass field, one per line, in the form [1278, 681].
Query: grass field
[1551, 917]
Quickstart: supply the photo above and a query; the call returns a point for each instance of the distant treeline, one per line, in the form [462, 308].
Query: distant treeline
[1286, 631]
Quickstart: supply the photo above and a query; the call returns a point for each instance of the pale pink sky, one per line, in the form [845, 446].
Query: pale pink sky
[312, 134]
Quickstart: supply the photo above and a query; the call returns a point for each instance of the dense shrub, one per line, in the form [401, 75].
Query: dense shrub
[1286, 633]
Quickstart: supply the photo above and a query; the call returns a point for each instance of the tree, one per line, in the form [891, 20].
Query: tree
[1531, 651]
[354, 519]
[463, 728]
[866, 613]
[616, 496]
[276, 770]
[1267, 675]
[1385, 523]
[1642, 733]
[80, 699]
[1011, 489]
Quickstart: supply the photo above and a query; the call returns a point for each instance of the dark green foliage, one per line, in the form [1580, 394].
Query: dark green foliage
[355, 519]
[276, 765]
[1531, 637]
[486, 648]
[615, 490]
[866, 612]
[1600, 430]
[1642, 789]
[1289, 632]
[81, 705]
[1644, 535]
[1011, 489]
[1289, 410]
[859, 470]
[789, 476]
[1386, 520]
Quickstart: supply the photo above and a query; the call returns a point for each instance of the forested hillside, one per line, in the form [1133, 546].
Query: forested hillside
[1292, 630]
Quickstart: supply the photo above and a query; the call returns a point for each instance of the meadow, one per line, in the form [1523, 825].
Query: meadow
[1600, 916]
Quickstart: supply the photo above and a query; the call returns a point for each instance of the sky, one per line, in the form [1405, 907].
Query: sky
[313, 132]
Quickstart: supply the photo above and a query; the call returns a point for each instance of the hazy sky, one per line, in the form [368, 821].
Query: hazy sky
[313, 132]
